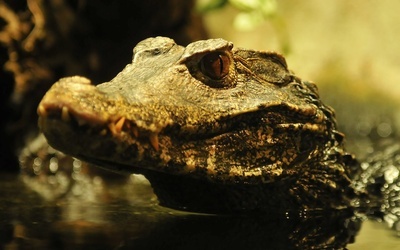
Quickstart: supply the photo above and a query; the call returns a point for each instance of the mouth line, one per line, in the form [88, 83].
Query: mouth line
[124, 135]
[86, 122]
[117, 125]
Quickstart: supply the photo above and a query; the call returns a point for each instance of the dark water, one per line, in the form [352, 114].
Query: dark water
[60, 203]
[57, 202]
[86, 211]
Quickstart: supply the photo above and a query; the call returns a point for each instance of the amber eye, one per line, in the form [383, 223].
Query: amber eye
[215, 65]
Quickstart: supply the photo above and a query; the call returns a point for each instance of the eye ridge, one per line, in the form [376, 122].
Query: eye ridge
[215, 65]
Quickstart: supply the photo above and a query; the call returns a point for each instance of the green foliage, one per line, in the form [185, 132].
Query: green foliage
[209, 5]
[251, 12]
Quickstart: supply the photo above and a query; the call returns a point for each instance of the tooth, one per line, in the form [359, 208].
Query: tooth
[135, 132]
[112, 128]
[65, 114]
[42, 110]
[154, 141]
[119, 124]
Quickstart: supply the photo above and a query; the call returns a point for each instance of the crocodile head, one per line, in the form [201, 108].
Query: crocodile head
[214, 128]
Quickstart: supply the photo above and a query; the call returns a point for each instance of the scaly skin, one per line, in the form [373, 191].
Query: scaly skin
[214, 128]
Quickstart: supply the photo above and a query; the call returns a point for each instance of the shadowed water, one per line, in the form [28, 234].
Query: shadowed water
[61, 203]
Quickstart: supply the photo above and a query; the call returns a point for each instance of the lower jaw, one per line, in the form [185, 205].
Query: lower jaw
[197, 195]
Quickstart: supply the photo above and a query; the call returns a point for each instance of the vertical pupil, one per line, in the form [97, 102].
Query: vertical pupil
[215, 65]
[218, 65]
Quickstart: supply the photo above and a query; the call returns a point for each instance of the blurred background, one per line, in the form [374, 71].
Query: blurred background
[357, 40]
[350, 49]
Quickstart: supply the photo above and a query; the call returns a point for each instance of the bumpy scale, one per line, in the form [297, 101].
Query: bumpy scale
[214, 128]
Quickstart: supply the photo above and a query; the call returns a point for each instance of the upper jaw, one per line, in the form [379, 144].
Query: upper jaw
[80, 106]
[70, 103]
[121, 146]
[104, 127]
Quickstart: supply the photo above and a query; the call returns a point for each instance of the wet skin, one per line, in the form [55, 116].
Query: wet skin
[215, 129]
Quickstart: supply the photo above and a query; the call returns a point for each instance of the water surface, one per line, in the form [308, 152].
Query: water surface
[87, 211]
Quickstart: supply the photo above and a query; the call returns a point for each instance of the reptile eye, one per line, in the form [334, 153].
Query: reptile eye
[215, 65]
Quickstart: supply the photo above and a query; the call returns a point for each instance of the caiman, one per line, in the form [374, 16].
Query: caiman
[214, 128]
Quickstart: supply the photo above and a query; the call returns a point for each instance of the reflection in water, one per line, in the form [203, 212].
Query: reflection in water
[109, 218]
[60, 202]
[71, 205]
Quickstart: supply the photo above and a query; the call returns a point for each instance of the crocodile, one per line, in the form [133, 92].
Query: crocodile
[214, 128]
